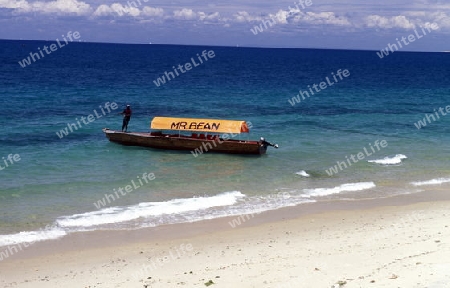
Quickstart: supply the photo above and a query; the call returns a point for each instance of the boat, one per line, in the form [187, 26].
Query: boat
[197, 135]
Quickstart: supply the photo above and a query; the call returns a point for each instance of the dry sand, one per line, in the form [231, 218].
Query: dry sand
[380, 246]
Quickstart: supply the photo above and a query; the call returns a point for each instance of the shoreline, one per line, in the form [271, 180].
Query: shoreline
[311, 225]
[169, 232]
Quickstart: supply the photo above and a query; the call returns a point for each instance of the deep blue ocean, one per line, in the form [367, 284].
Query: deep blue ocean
[52, 189]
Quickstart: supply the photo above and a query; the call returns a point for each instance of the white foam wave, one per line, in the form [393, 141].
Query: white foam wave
[303, 173]
[150, 214]
[32, 236]
[348, 187]
[397, 159]
[437, 181]
[148, 209]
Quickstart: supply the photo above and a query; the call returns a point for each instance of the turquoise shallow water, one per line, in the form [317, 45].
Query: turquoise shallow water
[57, 181]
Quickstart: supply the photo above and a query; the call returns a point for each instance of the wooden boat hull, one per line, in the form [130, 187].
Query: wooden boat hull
[176, 142]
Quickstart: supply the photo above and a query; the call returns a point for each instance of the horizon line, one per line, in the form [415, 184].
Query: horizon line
[229, 46]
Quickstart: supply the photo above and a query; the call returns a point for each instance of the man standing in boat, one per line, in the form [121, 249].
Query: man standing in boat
[126, 118]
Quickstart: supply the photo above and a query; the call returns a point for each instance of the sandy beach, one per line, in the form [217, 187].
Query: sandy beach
[397, 242]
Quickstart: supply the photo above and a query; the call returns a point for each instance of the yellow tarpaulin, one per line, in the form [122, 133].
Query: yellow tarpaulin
[199, 125]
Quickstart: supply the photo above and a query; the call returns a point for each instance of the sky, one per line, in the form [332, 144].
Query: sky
[331, 24]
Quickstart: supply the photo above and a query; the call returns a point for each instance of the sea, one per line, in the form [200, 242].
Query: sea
[349, 125]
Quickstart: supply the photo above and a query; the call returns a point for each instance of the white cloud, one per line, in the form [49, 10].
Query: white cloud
[330, 18]
[376, 21]
[103, 10]
[406, 16]
[402, 22]
[118, 9]
[406, 20]
[243, 16]
[212, 17]
[184, 14]
[14, 4]
[321, 18]
[189, 14]
[59, 7]
[153, 12]
[282, 16]
[428, 18]
[441, 18]
[122, 10]
[297, 16]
